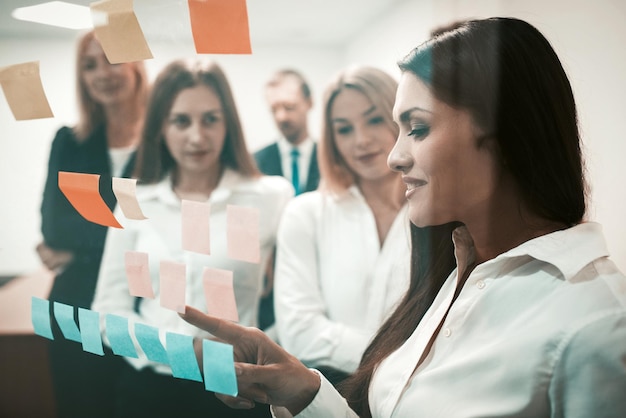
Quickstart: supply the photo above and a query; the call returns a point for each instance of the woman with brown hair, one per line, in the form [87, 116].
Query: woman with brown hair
[111, 102]
[193, 148]
[514, 308]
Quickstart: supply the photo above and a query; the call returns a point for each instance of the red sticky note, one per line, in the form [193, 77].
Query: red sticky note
[219, 293]
[83, 193]
[138, 274]
[242, 237]
[195, 225]
[220, 26]
[173, 281]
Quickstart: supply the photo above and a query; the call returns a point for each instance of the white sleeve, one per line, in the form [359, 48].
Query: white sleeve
[590, 374]
[304, 328]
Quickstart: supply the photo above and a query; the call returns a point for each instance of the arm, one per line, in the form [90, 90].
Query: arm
[268, 374]
[303, 326]
[590, 374]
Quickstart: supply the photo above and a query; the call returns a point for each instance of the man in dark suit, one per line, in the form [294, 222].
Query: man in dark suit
[293, 155]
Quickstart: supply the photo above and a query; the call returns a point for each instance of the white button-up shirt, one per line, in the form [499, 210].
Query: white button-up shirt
[539, 331]
[160, 236]
[334, 283]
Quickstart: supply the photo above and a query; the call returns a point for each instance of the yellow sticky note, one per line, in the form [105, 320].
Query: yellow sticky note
[125, 191]
[24, 92]
[118, 31]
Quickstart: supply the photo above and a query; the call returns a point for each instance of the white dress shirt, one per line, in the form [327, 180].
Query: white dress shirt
[539, 331]
[160, 237]
[334, 283]
[305, 148]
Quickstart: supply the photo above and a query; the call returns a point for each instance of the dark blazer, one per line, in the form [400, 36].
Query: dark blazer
[269, 162]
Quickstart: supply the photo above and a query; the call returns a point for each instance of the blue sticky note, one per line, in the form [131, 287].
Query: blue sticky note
[119, 338]
[182, 356]
[64, 314]
[90, 331]
[148, 339]
[40, 317]
[219, 368]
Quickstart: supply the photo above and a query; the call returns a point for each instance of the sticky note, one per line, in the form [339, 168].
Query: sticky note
[220, 27]
[219, 293]
[119, 338]
[182, 356]
[219, 368]
[22, 87]
[118, 31]
[64, 315]
[40, 317]
[138, 274]
[148, 339]
[90, 331]
[195, 226]
[173, 283]
[82, 190]
[242, 236]
[125, 191]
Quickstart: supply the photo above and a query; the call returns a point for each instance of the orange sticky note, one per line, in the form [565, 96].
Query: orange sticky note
[118, 31]
[242, 237]
[83, 193]
[22, 87]
[195, 226]
[220, 26]
[138, 274]
[173, 285]
[125, 191]
[219, 293]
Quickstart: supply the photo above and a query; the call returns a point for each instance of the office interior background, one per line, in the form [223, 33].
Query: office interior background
[318, 37]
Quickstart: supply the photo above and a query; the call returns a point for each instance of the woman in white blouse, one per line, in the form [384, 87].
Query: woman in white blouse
[193, 149]
[343, 250]
[514, 308]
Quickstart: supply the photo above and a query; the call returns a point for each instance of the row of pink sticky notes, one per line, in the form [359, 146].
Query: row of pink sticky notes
[217, 283]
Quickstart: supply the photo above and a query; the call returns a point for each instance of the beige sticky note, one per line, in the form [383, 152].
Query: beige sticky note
[138, 274]
[219, 293]
[125, 191]
[118, 31]
[195, 226]
[173, 283]
[22, 87]
[242, 237]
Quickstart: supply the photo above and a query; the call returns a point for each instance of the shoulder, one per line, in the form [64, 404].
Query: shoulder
[64, 137]
[274, 186]
[266, 151]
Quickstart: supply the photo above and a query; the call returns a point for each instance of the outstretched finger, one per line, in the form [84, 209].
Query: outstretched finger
[220, 328]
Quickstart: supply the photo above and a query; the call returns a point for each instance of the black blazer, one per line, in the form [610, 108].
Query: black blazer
[269, 162]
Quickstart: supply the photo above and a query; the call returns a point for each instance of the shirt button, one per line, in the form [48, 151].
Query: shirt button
[480, 284]
[447, 332]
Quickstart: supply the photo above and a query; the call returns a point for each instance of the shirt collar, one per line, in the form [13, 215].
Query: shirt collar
[569, 250]
[305, 147]
[230, 181]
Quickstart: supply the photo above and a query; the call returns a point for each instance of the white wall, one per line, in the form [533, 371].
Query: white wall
[590, 39]
[25, 145]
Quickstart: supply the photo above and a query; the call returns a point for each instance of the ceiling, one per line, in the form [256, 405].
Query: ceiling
[303, 22]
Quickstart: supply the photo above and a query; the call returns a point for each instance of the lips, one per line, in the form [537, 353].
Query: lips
[412, 184]
[366, 157]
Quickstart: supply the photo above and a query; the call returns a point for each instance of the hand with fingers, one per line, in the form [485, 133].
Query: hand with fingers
[266, 373]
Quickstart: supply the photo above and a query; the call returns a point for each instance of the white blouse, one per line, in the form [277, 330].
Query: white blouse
[160, 237]
[539, 331]
[334, 283]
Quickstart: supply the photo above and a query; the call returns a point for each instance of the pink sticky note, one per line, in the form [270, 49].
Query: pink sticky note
[243, 233]
[173, 285]
[219, 293]
[195, 225]
[125, 191]
[138, 274]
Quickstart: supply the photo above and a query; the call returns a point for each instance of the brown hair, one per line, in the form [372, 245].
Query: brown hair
[380, 88]
[91, 114]
[154, 160]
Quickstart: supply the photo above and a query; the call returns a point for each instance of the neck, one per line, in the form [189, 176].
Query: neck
[382, 196]
[299, 139]
[196, 186]
[123, 125]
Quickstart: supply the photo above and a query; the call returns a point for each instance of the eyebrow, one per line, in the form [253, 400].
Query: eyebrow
[366, 113]
[405, 116]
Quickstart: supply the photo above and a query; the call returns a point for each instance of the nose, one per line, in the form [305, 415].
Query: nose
[280, 114]
[363, 137]
[399, 158]
[195, 133]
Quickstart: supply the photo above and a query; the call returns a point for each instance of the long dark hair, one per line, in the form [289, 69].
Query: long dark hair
[154, 160]
[506, 74]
